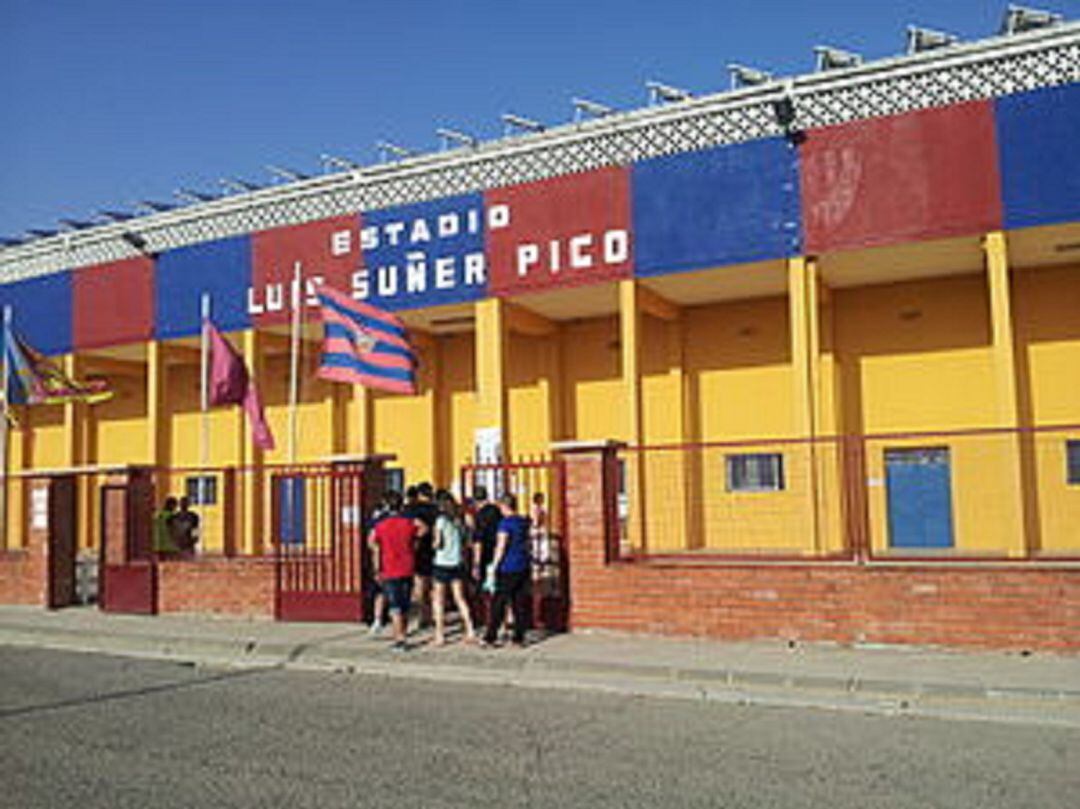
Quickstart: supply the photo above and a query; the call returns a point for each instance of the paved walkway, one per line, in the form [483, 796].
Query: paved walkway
[1036, 688]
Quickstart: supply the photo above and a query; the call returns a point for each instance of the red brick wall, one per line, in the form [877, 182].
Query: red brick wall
[21, 578]
[238, 587]
[1009, 607]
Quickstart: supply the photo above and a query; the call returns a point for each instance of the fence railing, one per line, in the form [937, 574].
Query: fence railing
[962, 495]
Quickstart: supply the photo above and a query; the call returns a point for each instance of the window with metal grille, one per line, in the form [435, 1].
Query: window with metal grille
[394, 479]
[201, 490]
[1072, 455]
[755, 472]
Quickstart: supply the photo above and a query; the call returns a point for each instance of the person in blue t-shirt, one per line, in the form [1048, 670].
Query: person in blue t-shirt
[513, 571]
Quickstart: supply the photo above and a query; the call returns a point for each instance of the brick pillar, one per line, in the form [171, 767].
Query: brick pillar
[591, 506]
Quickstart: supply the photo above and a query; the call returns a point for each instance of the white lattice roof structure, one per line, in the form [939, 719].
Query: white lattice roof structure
[936, 78]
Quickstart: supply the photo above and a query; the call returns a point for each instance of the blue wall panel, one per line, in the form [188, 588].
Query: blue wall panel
[41, 311]
[425, 254]
[727, 205]
[221, 268]
[1039, 141]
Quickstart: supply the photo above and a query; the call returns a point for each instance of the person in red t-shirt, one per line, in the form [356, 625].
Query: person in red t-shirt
[393, 555]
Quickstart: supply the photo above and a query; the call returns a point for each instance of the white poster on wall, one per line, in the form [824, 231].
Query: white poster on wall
[487, 451]
[39, 509]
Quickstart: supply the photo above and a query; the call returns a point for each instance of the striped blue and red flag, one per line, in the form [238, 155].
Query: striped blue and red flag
[364, 345]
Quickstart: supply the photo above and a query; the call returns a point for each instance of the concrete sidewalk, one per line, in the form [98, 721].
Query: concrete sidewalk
[1038, 688]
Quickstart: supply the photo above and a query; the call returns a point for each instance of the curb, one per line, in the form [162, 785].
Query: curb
[1058, 707]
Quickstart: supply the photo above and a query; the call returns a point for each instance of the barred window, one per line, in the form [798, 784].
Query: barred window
[1072, 453]
[758, 472]
[201, 490]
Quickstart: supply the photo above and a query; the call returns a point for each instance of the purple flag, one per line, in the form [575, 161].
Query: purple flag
[230, 383]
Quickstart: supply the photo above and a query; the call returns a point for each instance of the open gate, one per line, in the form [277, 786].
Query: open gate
[128, 570]
[318, 527]
[531, 481]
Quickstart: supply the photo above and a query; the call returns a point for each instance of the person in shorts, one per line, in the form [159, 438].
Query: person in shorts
[448, 569]
[422, 509]
[378, 609]
[393, 555]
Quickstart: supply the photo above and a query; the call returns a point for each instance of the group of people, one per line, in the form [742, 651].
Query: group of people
[176, 528]
[430, 545]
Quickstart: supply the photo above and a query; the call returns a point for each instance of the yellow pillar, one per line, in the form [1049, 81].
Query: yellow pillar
[492, 338]
[804, 327]
[362, 428]
[630, 350]
[157, 416]
[1011, 490]
[437, 414]
[76, 415]
[15, 503]
[251, 477]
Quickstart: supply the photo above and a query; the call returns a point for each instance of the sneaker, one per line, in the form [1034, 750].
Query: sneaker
[399, 646]
[376, 629]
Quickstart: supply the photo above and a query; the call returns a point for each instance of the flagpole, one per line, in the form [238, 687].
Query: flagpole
[5, 429]
[204, 394]
[294, 358]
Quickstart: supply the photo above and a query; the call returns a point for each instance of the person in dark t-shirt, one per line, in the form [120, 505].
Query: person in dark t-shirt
[184, 528]
[485, 532]
[424, 511]
[513, 569]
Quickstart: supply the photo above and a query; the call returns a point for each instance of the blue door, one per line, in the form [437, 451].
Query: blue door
[919, 489]
[291, 510]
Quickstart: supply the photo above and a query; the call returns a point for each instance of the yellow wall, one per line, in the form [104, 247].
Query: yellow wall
[458, 398]
[916, 356]
[1046, 307]
[897, 358]
[405, 425]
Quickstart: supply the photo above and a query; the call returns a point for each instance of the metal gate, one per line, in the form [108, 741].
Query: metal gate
[539, 487]
[128, 570]
[318, 528]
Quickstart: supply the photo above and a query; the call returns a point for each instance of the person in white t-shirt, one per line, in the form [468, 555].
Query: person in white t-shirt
[448, 570]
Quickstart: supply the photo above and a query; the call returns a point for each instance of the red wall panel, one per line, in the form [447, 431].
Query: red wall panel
[329, 252]
[921, 175]
[560, 232]
[113, 303]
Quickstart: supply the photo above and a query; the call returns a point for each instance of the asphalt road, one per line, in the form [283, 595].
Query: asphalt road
[92, 731]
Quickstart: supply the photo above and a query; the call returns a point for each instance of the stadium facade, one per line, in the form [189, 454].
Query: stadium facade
[828, 322]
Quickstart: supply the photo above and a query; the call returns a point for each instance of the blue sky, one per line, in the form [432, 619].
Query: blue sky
[113, 101]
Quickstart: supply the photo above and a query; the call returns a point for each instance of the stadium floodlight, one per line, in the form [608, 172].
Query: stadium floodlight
[76, 224]
[287, 174]
[660, 93]
[388, 150]
[830, 58]
[927, 39]
[330, 161]
[1022, 18]
[154, 206]
[115, 216]
[586, 108]
[41, 233]
[188, 195]
[743, 76]
[239, 186]
[452, 137]
[517, 123]
[135, 240]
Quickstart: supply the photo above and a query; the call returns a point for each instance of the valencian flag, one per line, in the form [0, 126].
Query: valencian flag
[230, 383]
[364, 345]
[33, 378]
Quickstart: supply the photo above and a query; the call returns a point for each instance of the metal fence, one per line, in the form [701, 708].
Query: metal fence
[962, 495]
